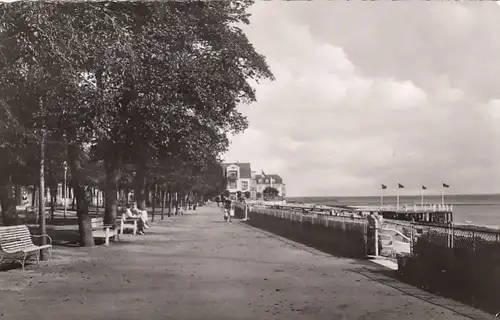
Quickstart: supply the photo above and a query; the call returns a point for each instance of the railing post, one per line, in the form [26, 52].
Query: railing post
[411, 237]
[473, 240]
[452, 236]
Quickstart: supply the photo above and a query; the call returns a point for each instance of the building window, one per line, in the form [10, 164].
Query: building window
[232, 185]
[259, 181]
[244, 185]
[232, 174]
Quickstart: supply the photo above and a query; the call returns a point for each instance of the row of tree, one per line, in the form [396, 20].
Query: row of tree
[267, 193]
[129, 94]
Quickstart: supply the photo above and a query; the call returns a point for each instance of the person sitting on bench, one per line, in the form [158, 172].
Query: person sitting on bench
[140, 222]
[143, 214]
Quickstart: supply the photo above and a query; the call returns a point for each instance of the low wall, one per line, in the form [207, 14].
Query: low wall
[335, 235]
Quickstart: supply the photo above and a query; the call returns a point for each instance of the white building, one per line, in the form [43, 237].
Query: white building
[238, 177]
[269, 180]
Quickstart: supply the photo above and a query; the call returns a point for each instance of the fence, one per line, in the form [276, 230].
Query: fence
[398, 237]
[342, 236]
[462, 262]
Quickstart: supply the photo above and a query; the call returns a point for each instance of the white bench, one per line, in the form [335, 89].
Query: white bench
[102, 231]
[128, 223]
[16, 240]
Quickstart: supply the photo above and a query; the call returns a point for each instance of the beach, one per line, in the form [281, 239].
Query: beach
[482, 210]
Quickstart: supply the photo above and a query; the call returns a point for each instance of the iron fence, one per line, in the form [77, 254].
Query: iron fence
[398, 236]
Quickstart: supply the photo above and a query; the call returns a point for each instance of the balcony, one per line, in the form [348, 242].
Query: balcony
[232, 175]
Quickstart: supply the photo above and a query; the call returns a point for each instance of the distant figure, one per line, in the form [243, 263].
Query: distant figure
[372, 225]
[227, 210]
[232, 209]
[179, 210]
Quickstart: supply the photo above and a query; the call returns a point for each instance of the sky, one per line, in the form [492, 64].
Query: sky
[371, 93]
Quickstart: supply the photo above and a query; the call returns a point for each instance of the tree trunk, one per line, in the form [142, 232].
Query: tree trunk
[33, 196]
[170, 203]
[82, 209]
[8, 202]
[125, 196]
[73, 198]
[153, 202]
[147, 194]
[53, 195]
[111, 164]
[19, 198]
[140, 187]
[41, 193]
[162, 199]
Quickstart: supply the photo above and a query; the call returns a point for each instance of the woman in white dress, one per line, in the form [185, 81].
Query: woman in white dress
[142, 213]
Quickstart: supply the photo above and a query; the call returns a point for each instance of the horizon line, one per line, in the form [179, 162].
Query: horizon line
[402, 195]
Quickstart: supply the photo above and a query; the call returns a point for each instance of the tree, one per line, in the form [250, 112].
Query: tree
[135, 83]
[270, 192]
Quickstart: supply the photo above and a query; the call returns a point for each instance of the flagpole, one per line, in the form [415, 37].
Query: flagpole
[442, 197]
[422, 202]
[397, 201]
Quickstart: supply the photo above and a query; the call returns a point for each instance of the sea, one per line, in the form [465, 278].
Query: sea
[477, 209]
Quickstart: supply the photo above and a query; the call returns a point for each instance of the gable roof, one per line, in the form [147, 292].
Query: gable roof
[245, 169]
[277, 178]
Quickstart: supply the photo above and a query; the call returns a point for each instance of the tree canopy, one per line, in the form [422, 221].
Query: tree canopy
[154, 85]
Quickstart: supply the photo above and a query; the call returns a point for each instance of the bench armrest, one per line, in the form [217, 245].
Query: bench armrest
[42, 235]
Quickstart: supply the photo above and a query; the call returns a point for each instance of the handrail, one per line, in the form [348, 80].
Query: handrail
[397, 232]
[496, 315]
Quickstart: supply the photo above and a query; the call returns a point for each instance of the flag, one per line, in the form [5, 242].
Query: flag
[424, 188]
[446, 185]
[263, 174]
[400, 186]
[384, 187]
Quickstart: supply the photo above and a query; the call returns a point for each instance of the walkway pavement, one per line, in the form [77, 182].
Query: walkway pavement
[197, 267]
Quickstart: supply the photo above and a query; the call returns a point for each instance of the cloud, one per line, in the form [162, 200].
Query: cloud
[372, 92]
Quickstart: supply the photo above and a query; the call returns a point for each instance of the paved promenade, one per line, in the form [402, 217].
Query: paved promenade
[197, 267]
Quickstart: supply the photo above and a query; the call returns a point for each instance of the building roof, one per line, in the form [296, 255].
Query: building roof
[245, 170]
[277, 178]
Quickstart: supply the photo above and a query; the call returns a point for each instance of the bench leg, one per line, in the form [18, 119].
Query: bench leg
[50, 255]
[135, 227]
[24, 260]
[121, 227]
[38, 258]
[106, 237]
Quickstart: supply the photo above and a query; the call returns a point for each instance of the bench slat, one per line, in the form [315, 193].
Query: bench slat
[14, 239]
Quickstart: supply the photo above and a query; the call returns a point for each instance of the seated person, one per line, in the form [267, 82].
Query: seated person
[129, 214]
[143, 214]
[178, 210]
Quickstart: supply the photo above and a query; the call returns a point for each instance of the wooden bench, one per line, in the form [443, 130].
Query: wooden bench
[100, 230]
[128, 223]
[17, 240]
